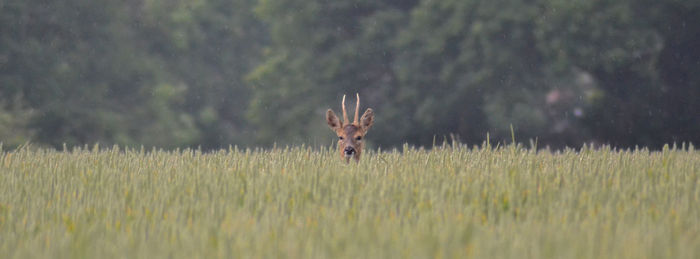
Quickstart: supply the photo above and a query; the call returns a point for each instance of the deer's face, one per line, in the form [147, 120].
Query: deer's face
[350, 135]
[350, 142]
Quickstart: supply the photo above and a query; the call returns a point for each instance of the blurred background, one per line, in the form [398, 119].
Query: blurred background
[214, 73]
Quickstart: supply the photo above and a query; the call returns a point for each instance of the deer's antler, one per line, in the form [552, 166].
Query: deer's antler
[357, 111]
[345, 113]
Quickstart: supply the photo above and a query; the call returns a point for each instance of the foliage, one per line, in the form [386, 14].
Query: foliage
[319, 51]
[565, 72]
[14, 120]
[211, 73]
[452, 201]
[161, 73]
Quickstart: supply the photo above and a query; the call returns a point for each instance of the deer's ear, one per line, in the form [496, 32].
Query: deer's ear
[367, 119]
[332, 120]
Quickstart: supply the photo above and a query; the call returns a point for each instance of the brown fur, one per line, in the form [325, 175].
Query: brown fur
[350, 135]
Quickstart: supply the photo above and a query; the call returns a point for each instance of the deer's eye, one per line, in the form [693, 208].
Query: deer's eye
[340, 137]
[358, 138]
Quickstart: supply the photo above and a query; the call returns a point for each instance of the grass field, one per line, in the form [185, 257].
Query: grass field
[452, 201]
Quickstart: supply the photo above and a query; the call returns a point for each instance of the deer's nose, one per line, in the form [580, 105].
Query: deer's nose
[349, 151]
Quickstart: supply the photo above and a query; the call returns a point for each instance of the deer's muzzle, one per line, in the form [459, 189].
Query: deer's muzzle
[349, 151]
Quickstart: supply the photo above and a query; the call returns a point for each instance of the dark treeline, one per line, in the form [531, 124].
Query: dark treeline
[214, 73]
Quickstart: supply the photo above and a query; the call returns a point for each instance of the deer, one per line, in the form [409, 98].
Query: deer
[350, 135]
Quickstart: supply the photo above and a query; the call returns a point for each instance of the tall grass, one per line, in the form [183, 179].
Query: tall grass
[449, 202]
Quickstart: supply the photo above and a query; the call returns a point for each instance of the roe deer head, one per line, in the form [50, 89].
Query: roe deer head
[350, 135]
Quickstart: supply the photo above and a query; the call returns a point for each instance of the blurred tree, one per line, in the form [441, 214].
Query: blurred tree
[215, 72]
[429, 68]
[468, 67]
[639, 56]
[564, 72]
[208, 47]
[159, 73]
[14, 120]
[676, 111]
[78, 66]
[320, 50]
